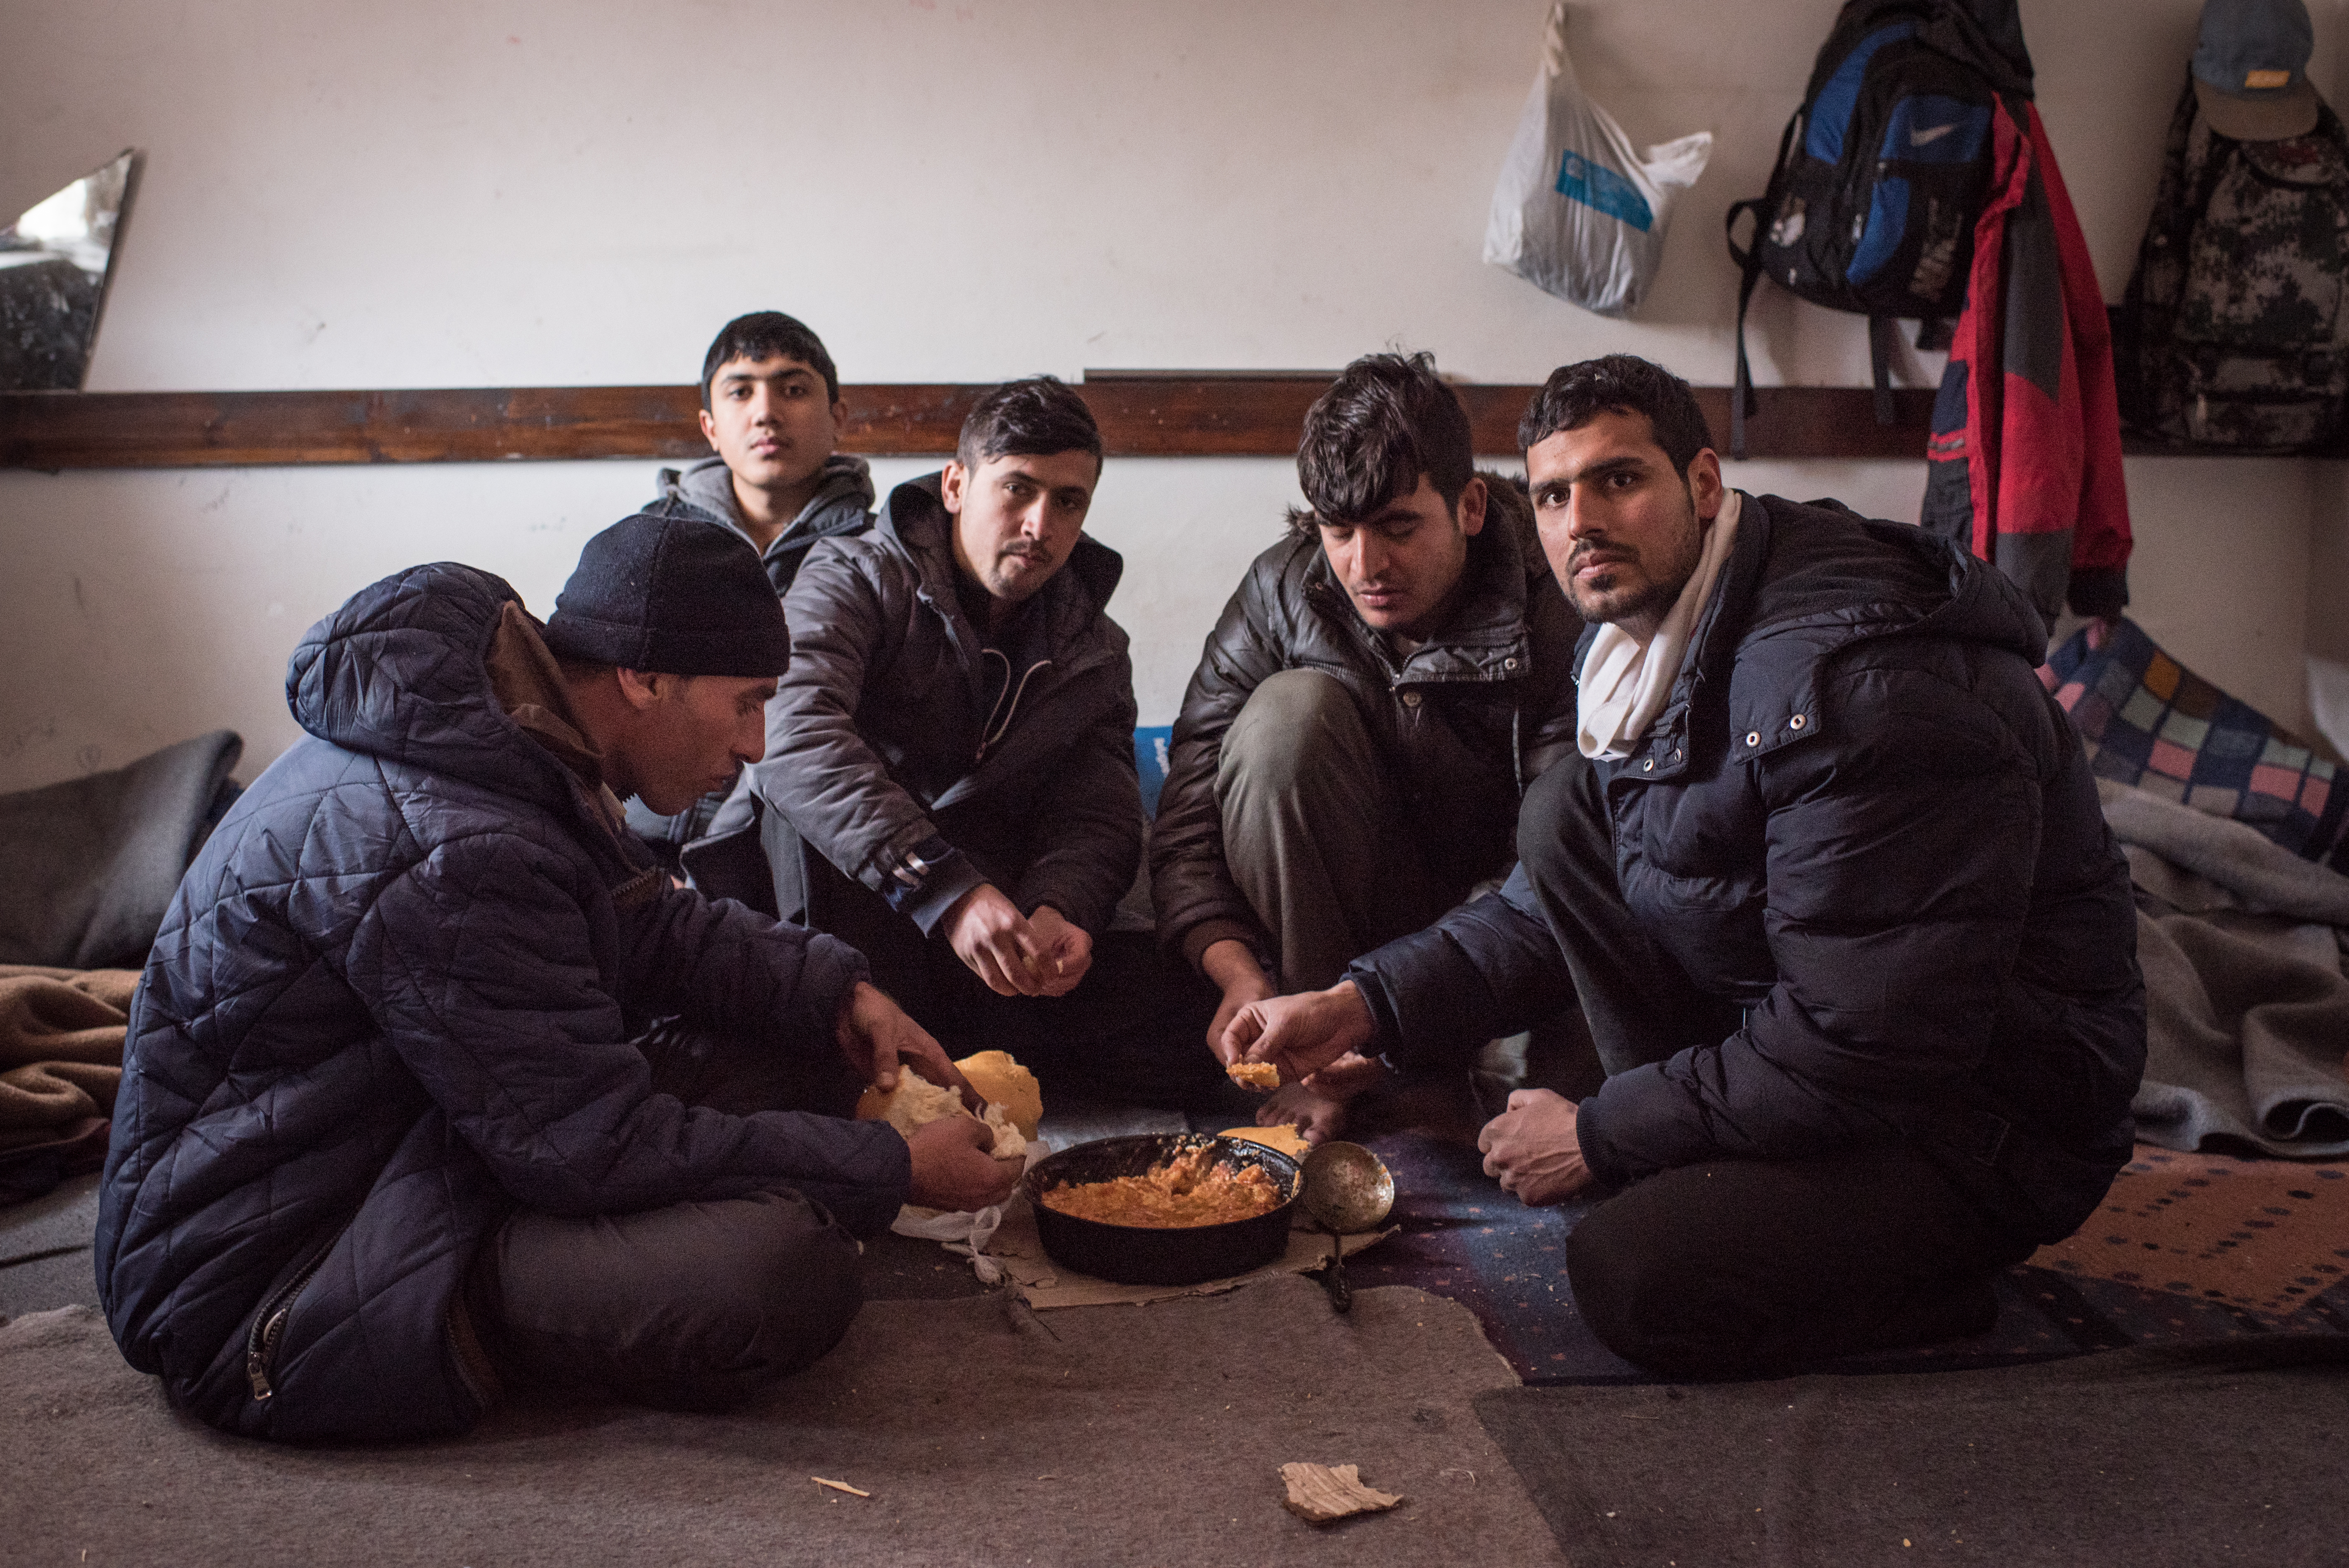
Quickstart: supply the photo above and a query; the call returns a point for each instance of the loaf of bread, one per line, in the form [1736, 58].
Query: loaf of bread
[1009, 1089]
[1003, 1081]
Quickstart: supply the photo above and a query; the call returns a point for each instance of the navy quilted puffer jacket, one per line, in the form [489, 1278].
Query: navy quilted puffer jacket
[391, 1005]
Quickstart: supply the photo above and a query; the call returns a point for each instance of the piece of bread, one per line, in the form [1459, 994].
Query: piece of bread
[1003, 1081]
[1254, 1075]
[917, 1101]
[1285, 1138]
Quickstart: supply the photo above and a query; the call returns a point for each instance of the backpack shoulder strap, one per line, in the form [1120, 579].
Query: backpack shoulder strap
[1748, 257]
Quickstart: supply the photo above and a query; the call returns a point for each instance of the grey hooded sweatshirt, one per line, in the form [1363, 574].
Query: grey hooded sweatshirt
[841, 505]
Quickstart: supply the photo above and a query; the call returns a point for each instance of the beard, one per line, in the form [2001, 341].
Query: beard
[1635, 588]
[1623, 601]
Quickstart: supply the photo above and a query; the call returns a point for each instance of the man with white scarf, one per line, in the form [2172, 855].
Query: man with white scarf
[1830, 879]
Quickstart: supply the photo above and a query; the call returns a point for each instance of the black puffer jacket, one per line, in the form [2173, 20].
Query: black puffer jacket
[895, 726]
[390, 1005]
[1467, 721]
[1861, 816]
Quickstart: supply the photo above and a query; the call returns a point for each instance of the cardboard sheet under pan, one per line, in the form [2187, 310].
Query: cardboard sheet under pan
[1046, 1284]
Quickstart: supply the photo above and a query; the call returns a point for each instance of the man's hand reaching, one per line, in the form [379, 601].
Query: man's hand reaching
[1299, 1034]
[1067, 951]
[1015, 955]
[1234, 969]
[875, 1036]
[1533, 1148]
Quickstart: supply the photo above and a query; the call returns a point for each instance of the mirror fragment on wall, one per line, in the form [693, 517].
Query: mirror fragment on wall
[54, 262]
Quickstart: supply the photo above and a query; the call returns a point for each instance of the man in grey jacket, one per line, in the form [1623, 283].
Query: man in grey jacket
[950, 783]
[772, 412]
[1379, 691]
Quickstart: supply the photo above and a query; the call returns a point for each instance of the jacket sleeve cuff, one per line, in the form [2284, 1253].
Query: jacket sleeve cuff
[1208, 933]
[830, 970]
[1386, 1041]
[1607, 1170]
[2098, 591]
[951, 875]
[1080, 906]
[867, 1192]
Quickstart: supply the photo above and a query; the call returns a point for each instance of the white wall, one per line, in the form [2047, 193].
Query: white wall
[450, 193]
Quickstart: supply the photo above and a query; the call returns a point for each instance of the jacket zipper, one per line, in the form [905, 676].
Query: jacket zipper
[990, 732]
[1066, 676]
[268, 1327]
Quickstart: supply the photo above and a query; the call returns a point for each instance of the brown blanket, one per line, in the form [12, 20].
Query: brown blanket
[60, 1062]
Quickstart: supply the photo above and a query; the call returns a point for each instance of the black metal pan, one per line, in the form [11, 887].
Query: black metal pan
[1152, 1254]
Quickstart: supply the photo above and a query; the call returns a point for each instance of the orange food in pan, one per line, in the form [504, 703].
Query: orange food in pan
[1186, 1191]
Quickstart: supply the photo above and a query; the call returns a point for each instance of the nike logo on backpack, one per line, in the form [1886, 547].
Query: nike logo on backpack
[1931, 133]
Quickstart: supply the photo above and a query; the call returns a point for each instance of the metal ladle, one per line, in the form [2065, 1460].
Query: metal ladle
[1347, 1189]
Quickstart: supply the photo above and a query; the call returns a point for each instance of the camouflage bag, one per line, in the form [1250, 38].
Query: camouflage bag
[2232, 332]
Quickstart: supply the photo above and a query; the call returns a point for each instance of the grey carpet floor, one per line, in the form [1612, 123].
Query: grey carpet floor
[986, 1435]
[44, 1249]
[45, 1243]
[2152, 1456]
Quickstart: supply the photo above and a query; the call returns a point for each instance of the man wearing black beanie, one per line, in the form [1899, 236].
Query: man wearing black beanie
[392, 1134]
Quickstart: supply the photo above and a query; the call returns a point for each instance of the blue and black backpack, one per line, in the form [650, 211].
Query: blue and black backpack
[1882, 174]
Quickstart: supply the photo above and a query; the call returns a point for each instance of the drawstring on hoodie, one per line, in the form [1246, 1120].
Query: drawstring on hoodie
[1010, 694]
[1517, 744]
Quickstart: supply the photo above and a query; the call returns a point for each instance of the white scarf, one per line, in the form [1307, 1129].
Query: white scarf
[1625, 681]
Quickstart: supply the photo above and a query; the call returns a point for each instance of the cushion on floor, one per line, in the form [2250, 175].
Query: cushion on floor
[2150, 722]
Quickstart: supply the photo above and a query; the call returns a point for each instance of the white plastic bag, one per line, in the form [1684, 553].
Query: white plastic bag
[1575, 213]
[964, 1232]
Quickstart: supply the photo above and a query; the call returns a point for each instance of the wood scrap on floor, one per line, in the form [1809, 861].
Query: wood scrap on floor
[1320, 1493]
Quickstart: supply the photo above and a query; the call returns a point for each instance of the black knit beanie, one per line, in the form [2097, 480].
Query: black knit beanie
[673, 592]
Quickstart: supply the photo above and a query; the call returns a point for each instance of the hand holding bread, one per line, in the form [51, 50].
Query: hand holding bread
[976, 1159]
[875, 1036]
[953, 1167]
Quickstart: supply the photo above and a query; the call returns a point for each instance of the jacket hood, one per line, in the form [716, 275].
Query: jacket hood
[843, 503]
[1873, 578]
[400, 672]
[1486, 634]
[1985, 605]
[1804, 582]
[1856, 577]
[916, 518]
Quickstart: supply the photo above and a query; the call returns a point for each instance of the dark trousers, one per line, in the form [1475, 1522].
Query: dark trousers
[1318, 838]
[1315, 832]
[695, 1305]
[1741, 1266]
[1134, 1030]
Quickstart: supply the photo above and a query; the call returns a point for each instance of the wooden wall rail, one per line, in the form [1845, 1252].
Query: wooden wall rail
[1157, 416]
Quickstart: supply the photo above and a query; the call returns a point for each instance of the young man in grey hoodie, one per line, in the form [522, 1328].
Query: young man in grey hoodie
[772, 411]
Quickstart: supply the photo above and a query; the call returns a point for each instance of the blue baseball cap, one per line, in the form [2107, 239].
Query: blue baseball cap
[2250, 68]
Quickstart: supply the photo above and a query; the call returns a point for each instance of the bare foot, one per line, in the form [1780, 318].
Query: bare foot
[1316, 1107]
[1317, 1115]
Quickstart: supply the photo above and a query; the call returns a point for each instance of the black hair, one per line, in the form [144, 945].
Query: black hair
[1623, 383]
[1030, 418]
[768, 334]
[1387, 419]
